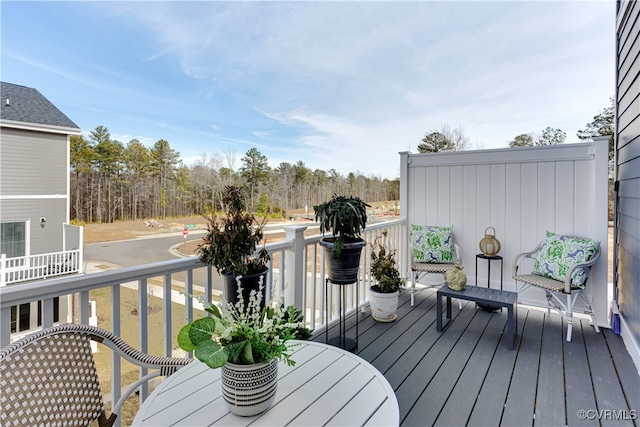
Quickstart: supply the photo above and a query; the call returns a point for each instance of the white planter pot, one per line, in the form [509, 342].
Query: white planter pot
[383, 305]
[249, 389]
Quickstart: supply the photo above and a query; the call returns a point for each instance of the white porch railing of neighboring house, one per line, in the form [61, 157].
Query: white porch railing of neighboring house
[293, 272]
[41, 266]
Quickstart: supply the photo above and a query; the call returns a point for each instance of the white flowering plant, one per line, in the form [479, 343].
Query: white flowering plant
[244, 334]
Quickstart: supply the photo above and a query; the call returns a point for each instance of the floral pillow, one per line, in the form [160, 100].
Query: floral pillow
[558, 253]
[432, 244]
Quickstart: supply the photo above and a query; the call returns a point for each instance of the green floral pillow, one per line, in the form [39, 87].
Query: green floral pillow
[432, 244]
[559, 253]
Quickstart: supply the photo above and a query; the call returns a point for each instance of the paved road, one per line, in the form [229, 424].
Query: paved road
[127, 253]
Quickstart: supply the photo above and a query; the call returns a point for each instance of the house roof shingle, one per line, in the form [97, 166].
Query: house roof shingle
[25, 104]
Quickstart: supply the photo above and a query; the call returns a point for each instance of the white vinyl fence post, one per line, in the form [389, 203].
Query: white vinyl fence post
[294, 266]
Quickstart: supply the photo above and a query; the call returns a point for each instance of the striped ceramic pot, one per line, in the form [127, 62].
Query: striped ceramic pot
[249, 389]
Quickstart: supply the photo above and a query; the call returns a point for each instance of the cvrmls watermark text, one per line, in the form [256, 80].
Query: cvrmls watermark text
[607, 414]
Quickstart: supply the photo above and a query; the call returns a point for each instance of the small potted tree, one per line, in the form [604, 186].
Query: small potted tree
[383, 295]
[345, 217]
[230, 247]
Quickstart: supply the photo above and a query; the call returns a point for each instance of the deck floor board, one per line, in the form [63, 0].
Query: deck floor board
[466, 375]
[578, 387]
[607, 392]
[629, 379]
[550, 399]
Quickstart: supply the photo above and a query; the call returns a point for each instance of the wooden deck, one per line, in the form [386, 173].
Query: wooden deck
[467, 376]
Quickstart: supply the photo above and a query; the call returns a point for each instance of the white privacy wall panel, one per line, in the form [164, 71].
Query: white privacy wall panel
[522, 193]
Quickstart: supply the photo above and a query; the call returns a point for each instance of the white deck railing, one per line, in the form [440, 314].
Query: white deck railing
[297, 270]
[41, 266]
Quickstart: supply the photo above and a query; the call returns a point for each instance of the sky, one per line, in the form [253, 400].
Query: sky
[336, 85]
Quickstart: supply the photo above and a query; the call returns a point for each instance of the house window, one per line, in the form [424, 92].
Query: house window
[20, 316]
[13, 239]
[14, 319]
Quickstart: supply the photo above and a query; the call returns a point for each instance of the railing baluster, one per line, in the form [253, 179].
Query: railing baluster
[116, 363]
[281, 269]
[208, 284]
[188, 299]
[166, 282]
[310, 282]
[143, 329]
[47, 313]
[84, 307]
[5, 331]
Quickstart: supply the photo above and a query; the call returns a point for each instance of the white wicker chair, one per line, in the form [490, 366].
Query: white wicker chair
[420, 269]
[554, 288]
[50, 377]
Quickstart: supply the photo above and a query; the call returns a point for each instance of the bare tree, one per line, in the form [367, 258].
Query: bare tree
[230, 157]
[456, 137]
[447, 139]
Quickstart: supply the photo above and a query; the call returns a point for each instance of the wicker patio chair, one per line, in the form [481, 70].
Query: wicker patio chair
[553, 288]
[420, 260]
[50, 377]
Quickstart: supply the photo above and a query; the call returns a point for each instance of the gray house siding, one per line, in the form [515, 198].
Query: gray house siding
[628, 171]
[43, 240]
[33, 163]
[33, 185]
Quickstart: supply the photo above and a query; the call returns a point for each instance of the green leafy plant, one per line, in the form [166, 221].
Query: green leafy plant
[230, 242]
[383, 266]
[244, 335]
[345, 216]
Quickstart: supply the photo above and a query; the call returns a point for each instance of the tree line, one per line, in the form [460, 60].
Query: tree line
[113, 181]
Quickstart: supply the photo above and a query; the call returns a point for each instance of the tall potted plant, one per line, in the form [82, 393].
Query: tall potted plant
[383, 294]
[230, 247]
[345, 217]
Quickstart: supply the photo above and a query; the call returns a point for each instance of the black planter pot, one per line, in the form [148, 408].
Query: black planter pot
[343, 269]
[248, 282]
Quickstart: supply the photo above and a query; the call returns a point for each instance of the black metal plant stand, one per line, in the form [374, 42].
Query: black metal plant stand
[341, 340]
[489, 259]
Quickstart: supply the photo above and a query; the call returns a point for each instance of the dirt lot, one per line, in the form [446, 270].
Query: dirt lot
[124, 230]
